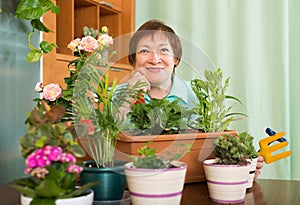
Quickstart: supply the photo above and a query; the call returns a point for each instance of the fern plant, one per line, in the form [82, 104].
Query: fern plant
[211, 114]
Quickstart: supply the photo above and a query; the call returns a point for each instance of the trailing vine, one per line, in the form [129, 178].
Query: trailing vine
[34, 10]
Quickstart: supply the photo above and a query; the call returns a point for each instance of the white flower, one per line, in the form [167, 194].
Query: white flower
[105, 39]
[38, 87]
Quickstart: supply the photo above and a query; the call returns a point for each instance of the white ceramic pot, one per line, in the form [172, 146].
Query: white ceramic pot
[155, 186]
[226, 183]
[251, 172]
[81, 200]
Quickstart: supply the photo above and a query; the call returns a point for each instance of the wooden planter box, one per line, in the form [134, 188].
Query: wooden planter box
[202, 148]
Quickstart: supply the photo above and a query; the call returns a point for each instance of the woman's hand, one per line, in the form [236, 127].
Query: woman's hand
[259, 166]
[138, 77]
[126, 106]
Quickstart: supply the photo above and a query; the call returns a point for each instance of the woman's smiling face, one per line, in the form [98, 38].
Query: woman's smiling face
[155, 59]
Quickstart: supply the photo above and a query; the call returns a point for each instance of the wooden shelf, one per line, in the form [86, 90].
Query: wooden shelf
[117, 15]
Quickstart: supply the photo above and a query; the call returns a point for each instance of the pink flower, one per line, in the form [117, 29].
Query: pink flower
[88, 44]
[106, 39]
[38, 87]
[52, 92]
[39, 172]
[31, 161]
[69, 158]
[27, 170]
[89, 123]
[54, 154]
[43, 161]
[73, 45]
[72, 168]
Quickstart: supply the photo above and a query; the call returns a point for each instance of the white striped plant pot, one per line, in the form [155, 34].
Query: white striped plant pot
[226, 183]
[86, 199]
[155, 186]
[251, 172]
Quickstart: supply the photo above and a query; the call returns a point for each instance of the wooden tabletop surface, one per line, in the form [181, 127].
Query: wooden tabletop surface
[264, 192]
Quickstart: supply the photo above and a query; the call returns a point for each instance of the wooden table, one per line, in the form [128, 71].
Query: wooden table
[264, 192]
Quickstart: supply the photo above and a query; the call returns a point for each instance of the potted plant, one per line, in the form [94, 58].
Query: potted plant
[158, 117]
[156, 180]
[95, 111]
[211, 113]
[227, 174]
[252, 154]
[49, 148]
[200, 126]
[92, 50]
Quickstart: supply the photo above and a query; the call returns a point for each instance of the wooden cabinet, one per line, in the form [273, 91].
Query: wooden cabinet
[117, 15]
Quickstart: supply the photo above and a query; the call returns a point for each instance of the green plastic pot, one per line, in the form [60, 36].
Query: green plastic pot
[112, 180]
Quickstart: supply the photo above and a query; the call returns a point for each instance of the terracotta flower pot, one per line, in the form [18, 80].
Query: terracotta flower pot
[226, 183]
[155, 186]
[202, 148]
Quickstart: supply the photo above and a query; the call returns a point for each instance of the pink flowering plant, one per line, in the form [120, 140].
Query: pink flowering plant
[50, 149]
[53, 94]
[95, 46]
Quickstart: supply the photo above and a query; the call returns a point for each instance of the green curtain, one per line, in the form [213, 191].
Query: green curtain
[255, 43]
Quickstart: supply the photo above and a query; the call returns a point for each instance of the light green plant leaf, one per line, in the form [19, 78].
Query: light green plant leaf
[34, 56]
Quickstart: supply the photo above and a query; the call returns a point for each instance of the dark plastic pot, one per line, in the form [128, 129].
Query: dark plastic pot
[112, 180]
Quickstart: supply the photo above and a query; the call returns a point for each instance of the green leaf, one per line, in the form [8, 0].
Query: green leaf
[81, 189]
[48, 188]
[46, 48]
[37, 24]
[28, 182]
[234, 98]
[27, 140]
[34, 56]
[67, 94]
[53, 45]
[77, 150]
[44, 201]
[41, 142]
[29, 9]
[55, 9]
[24, 190]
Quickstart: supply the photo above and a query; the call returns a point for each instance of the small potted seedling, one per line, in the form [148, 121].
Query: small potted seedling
[156, 180]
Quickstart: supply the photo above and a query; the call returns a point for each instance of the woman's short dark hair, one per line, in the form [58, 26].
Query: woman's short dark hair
[149, 28]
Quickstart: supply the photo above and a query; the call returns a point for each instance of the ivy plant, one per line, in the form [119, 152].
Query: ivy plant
[159, 116]
[34, 10]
